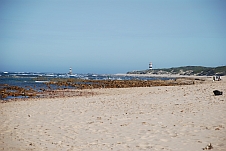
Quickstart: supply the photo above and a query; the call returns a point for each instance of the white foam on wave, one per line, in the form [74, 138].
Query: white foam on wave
[41, 81]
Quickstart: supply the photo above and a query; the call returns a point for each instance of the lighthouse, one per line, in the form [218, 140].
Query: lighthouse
[70, 71]
[150, 65]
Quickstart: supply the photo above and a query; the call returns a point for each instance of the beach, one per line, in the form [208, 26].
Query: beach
[173, 118]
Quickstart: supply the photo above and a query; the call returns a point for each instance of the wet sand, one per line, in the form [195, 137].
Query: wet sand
[177, 118]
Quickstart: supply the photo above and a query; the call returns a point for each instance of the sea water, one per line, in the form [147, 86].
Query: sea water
[29, 79]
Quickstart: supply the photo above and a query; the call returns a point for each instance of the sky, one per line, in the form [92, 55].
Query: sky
[110, 36]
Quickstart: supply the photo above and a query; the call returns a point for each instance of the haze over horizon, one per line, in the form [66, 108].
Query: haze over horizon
[113, 36]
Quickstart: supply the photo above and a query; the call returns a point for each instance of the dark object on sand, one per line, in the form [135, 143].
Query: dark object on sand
[208, 147]
[217, 92]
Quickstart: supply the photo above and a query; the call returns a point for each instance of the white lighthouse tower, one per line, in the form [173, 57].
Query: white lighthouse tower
[70, 71]
[150, 65]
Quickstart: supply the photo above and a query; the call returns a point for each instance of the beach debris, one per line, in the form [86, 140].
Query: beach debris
[208, 147]
[217, 92]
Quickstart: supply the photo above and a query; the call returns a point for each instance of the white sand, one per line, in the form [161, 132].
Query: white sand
[179, 118]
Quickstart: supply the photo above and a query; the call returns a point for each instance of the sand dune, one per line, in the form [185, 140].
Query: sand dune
[177, 118]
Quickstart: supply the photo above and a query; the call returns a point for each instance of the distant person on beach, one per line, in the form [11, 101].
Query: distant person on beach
[216, 78]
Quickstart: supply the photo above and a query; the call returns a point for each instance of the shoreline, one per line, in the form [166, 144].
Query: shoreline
[184, 117]
[15, 92]
[166, 75]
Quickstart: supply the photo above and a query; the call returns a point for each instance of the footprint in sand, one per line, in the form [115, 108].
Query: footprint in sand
[164, 140]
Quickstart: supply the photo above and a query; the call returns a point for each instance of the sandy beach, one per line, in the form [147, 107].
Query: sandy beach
[173, 118]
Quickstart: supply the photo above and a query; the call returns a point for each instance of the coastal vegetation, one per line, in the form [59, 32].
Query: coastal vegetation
[186, 70]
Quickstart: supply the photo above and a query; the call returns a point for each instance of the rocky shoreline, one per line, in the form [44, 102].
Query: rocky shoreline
[16, 92]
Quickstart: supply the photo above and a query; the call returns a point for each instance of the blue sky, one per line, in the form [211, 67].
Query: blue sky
[110, 36]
